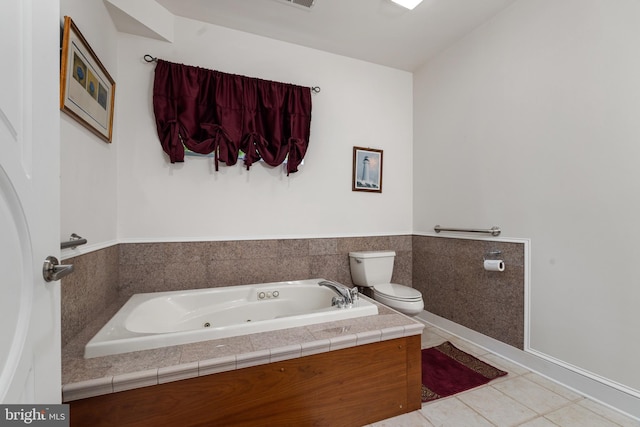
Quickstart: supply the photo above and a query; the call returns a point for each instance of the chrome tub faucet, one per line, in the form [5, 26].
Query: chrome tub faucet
[347, 295]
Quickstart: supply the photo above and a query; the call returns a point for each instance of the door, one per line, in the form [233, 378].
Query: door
[29, 201]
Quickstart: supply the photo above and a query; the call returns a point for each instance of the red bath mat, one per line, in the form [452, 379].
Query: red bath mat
[447, 370]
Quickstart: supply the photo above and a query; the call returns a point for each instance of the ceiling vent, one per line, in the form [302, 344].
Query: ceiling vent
[304, 4]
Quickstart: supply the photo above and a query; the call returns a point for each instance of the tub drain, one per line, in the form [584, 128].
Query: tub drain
[206, 324]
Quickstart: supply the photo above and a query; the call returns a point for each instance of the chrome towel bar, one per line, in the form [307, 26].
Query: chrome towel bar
[74, 241]
[494, 231]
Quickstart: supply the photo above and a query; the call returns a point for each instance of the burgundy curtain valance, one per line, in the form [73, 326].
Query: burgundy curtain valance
[213, 112]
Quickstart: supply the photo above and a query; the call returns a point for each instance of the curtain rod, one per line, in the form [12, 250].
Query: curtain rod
[149, 58]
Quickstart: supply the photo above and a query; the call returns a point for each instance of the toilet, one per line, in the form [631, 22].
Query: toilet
[373, 269]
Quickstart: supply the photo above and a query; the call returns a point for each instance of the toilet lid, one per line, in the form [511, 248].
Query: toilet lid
[399, 292]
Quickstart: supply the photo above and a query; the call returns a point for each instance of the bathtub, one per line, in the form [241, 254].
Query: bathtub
[162, 319]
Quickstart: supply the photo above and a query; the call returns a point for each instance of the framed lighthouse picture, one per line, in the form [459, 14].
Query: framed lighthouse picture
[367, 170]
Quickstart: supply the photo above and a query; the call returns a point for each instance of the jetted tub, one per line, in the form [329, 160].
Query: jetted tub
[163, 319]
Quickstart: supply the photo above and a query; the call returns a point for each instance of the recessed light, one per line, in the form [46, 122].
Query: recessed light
[409, 4]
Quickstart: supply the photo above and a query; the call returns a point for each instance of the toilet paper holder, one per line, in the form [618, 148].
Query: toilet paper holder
[491, 254]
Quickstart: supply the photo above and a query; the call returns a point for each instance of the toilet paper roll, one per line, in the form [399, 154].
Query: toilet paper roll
[494, 265]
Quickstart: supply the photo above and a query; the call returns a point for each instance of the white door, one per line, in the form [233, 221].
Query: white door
[29, 201]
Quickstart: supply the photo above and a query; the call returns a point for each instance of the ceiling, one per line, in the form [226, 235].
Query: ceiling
[377, 31]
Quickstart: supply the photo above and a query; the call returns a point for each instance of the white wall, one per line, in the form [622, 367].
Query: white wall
[361, 104]
[531, 123]
[528, 123]
[88, 165]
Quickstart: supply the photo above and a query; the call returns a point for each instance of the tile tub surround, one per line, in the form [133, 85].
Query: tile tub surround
[92, 287]
[104, 276]
[152, 267]
[84, 378]
[450, 274]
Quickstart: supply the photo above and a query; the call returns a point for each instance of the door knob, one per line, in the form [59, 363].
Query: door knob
[52, 269]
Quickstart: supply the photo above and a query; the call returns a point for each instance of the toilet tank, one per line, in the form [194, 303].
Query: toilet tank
[370, 268]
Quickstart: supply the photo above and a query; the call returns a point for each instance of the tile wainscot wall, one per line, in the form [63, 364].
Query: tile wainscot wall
[449, 273]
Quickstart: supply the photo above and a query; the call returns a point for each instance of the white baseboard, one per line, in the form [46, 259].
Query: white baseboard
[603, 392]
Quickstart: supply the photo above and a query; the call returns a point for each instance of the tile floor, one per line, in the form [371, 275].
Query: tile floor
[521, 398]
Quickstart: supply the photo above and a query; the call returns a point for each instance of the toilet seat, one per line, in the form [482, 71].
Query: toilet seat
[404, 299]
[397, 292]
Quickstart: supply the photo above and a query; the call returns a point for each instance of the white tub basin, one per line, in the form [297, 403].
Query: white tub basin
[162, 319]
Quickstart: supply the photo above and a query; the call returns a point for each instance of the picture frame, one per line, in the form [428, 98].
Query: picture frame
[87, 90]
[367, 170]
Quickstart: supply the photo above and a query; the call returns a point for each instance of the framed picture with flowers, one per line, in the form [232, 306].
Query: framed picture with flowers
[87, 91]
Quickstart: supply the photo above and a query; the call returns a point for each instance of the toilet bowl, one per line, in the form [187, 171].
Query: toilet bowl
[373, 269]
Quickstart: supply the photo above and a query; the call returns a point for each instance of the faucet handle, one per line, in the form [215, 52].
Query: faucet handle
[339, 302]
[354, 294]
